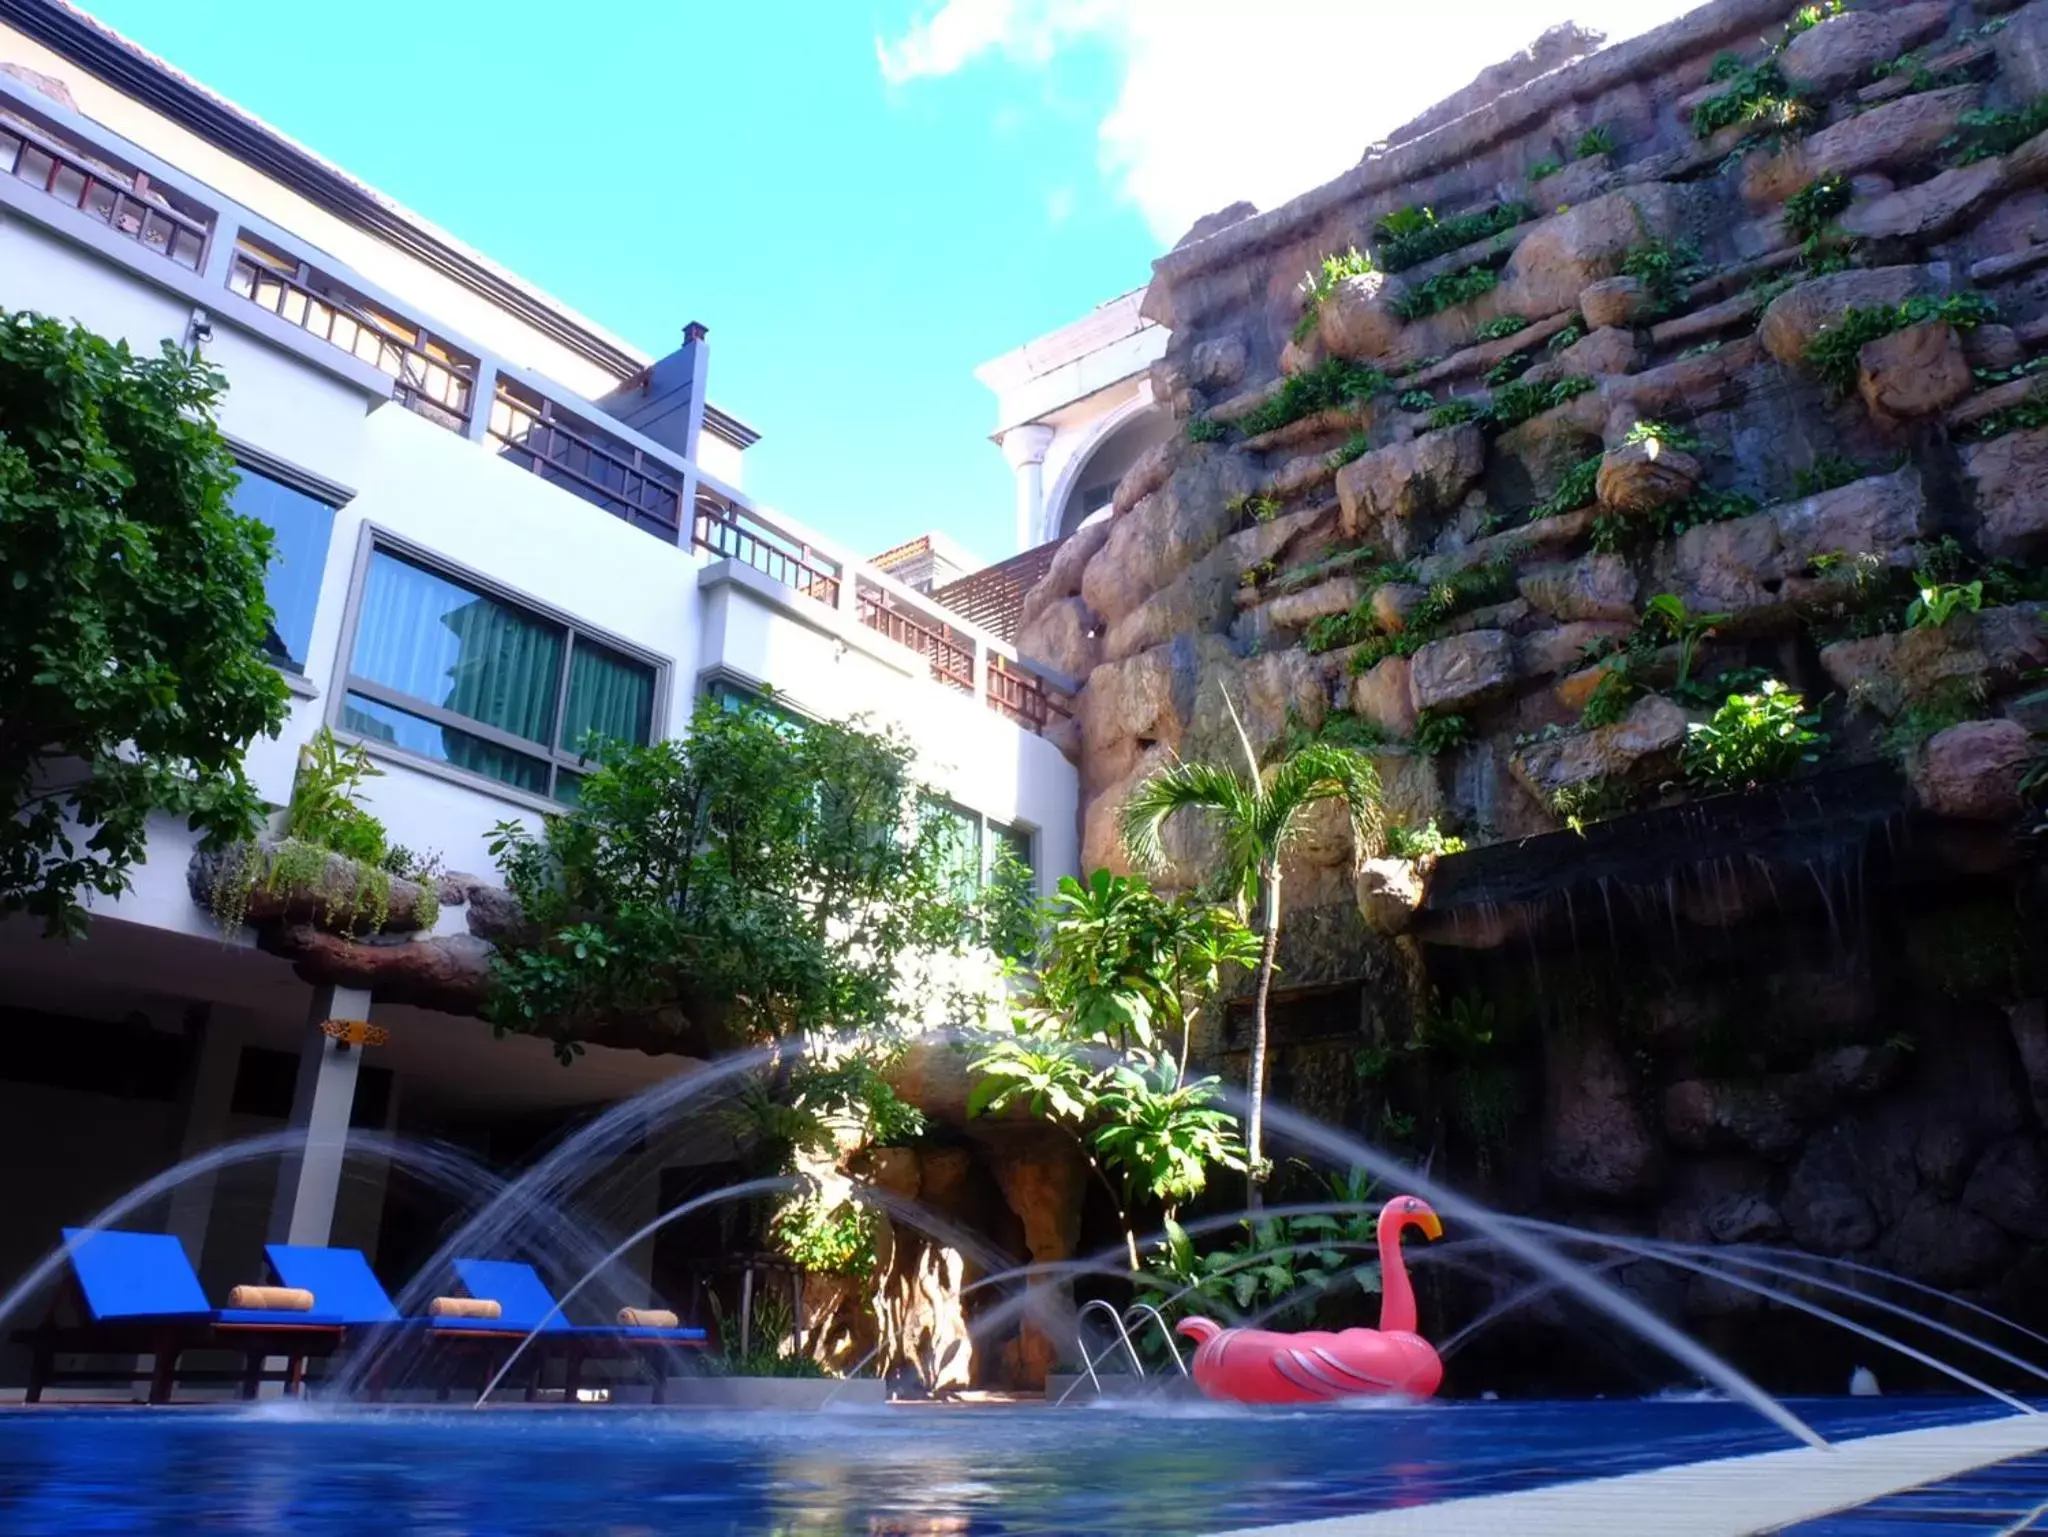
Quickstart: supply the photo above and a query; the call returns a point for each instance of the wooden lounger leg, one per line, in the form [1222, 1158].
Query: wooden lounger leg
[295, 1377]
[163, 1370]
[252, 1372]
[39, 1365]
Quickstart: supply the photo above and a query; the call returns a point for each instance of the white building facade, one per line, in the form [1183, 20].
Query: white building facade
[1074, 410]
[457, 468]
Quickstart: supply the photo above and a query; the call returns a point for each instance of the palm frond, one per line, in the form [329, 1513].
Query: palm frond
[1181, 787]
[1319, 771]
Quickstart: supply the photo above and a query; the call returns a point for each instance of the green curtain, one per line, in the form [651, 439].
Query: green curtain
[609, 697]
[441, 642]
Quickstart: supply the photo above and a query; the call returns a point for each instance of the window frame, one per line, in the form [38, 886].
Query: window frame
[375, 538]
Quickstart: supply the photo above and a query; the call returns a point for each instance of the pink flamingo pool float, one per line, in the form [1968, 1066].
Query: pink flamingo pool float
[1264, 1366]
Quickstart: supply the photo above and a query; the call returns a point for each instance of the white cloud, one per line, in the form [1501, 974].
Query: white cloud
[1059, 206]
[1257, 99]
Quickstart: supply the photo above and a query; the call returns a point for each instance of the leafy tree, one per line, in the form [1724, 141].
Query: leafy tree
[752, 881]
[132, 668]
[1128, 966]
[1259, 814]
[1123, 971]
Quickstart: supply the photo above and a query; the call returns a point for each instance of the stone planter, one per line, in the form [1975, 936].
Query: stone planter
[789, 1395]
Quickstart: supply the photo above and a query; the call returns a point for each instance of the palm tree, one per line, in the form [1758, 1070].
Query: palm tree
[1258, 812]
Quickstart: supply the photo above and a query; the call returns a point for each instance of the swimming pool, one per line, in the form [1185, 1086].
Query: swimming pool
[1099, 1470]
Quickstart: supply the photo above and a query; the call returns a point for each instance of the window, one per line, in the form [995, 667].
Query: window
[300, 525]
[446, 671]
[738, 699]
[974, 843]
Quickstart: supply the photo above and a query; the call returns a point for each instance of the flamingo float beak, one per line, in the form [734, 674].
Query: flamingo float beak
[1431, 1224]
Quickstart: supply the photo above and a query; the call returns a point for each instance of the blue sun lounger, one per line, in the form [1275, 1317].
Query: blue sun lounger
[136, 1294]
[529, 1305]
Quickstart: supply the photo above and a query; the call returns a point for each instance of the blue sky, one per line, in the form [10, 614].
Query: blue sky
[861, 202]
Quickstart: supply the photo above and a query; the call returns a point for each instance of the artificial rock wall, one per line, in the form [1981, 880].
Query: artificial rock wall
[1412, 515]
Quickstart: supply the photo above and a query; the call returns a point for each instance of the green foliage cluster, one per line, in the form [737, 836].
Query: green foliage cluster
[1253, 576]
[1101, 1045]
[1257, 812]
[1410, 236]
[1281, 1269]
[325, 816]
[1357, 446]
[1544, 168]
[133, 673]
[1816, 205]
[1416, 400]
[1577, 488]
[1830, 472]
[771, 1324]
[2029, 413]
[1254, 508]
[1753, 739]
[1472, 587]
[1570, 336]
[1437, 734]
[1665, 435]
[1936, 602]
[1949, 703]
[1597, 140]
[1832, 354]
[1340, 728]
[1453, 413]
[1592, 800]
[1320, 284]
[1666, 268]
[1337, 382]
[826, 1240]
[1508, 369]
[1615, 532]
[1203, 429]
[1447, 290]
[1425, 842]
[1807, 17]
[1757, 95]
[1501, 325]
[1514, 403]
[746, 882]
[1983, 134]
[1914, 70]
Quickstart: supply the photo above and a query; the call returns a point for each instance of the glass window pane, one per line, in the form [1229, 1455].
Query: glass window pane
[1015, 839]
[380, 723]
[425, 635]
[960, 832]
[568, 787]
[745, 701]
[609, 697]
[300, 527]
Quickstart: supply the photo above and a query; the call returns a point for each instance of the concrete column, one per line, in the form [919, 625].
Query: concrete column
[308, 1183]
[209, 1099]
[1025, 448]
[481, 395]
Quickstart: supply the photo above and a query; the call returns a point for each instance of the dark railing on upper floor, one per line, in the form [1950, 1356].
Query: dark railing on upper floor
[950, 653]
[428, 377]
[730, 532]
[1024, 697]
[124, 201]
[575, 453]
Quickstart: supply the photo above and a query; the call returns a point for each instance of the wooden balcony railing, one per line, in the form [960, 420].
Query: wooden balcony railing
[123, 201]
[560, 446]
[950, 654]
[1024, 697]
[732, 533]
[435, 381]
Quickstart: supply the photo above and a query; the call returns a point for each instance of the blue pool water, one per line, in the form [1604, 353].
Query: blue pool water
[311, 1472]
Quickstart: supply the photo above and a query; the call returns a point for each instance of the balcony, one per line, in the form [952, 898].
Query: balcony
[727, 531]
[575, 453]
[124, 201]
[1023, 697]
[949, 653]
[427, 376]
